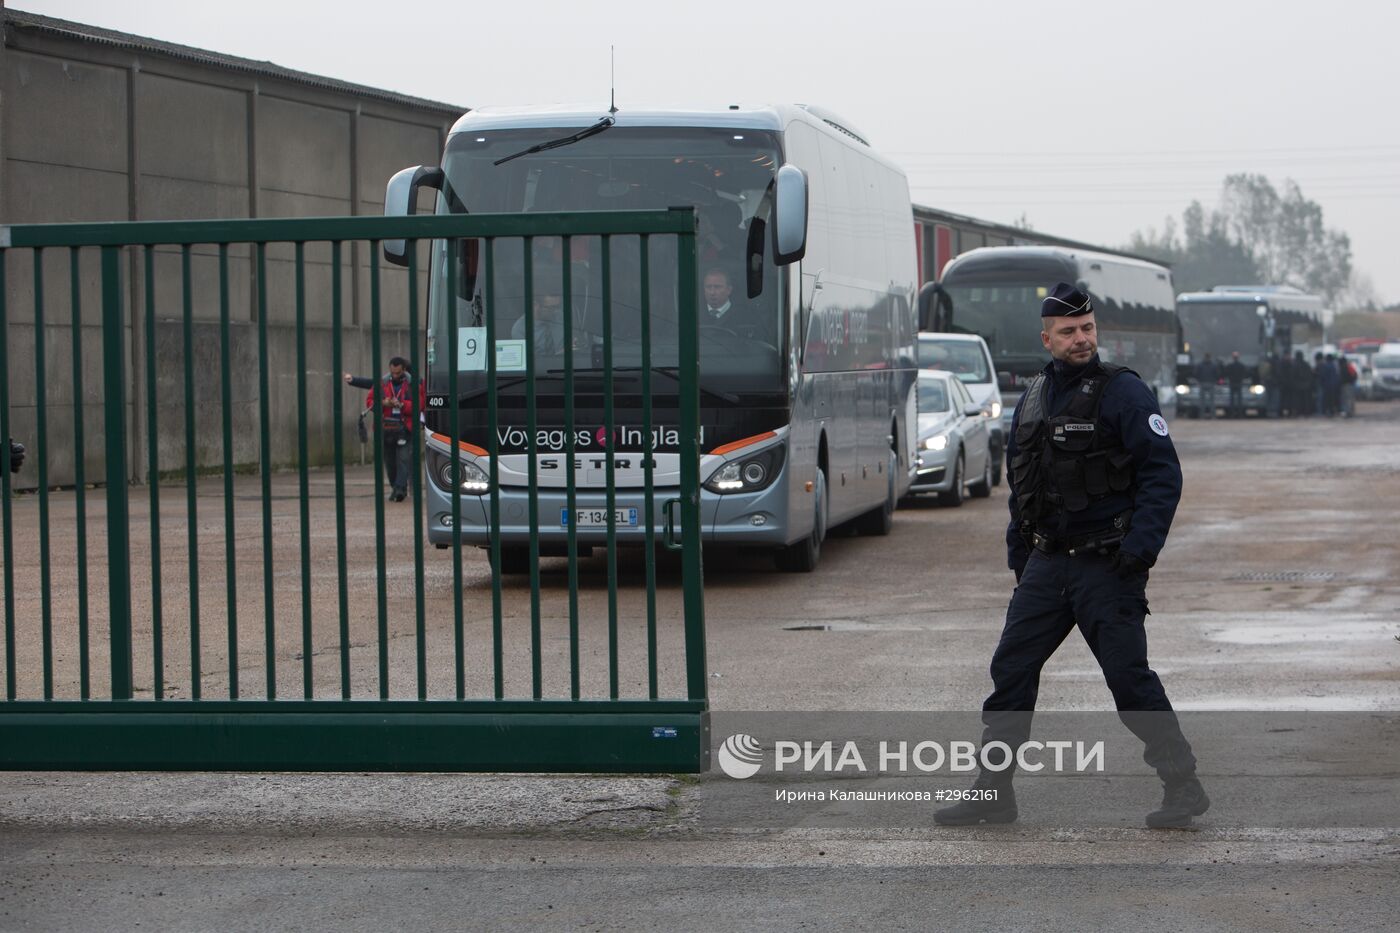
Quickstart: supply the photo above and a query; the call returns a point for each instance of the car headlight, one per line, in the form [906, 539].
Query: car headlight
[748, 474]
[1182, 390]
[996, 409]
[473, 479]
[1256, 390]
[937, 442]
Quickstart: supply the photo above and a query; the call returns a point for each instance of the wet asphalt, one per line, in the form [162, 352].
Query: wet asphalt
[1278, 594]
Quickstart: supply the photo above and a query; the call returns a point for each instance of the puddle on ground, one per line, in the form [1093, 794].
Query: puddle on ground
[1337, 702]
[1303, 630]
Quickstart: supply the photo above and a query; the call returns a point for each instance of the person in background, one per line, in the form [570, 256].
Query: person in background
[1270, 382]
[395, 393]
[1235, 375]
[1331, 376]
[16, 455]
[1304, 383]
[1349, 376]
[1208, 375]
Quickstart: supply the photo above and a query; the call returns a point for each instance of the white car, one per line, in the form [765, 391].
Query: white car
[954, 457]
[968, 358]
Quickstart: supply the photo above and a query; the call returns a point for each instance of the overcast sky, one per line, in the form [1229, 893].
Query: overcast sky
[1092, 118]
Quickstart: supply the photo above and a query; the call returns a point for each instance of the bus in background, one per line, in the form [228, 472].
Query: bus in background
[996, 291]
[808, 404]
[1252, 320]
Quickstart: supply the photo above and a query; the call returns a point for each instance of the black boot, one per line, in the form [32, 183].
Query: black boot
[1181, 800]
[1001, 809]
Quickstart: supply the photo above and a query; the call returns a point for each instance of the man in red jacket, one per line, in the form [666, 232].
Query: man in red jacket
[395, 392]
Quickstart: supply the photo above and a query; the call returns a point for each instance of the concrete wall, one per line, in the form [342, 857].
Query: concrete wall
[93, 130]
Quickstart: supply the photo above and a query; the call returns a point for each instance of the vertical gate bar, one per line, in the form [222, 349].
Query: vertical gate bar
[303, 470]
[493, 443]
[451, 258]
[79, 483]
[420, 630]
[8, 511]
[611, 451]
[153, 478]
[571, 493]
[338, 432]
[118, 527]
[532, 467]
[265, 456]
[42, 436]
[191, 469]
[648, 467]
[226, 395]
[692, 579]
[382, 594]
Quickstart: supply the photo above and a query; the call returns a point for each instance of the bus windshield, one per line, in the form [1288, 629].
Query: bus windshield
[1005, 315]
[723, 172]
[1221, 328]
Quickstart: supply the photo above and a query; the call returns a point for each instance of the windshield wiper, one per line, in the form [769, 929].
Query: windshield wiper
[581, 135]
[662, 370]
[505, 384]
[667, 372]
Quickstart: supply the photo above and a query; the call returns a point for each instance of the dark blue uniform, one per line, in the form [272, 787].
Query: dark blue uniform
[1057, 592]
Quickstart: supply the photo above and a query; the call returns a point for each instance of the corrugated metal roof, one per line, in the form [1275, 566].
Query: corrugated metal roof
[81, 32]
[928, 214]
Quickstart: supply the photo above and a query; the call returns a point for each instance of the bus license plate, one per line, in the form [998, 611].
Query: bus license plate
[594, 518]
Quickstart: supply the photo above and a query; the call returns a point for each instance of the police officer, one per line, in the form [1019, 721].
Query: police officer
[1094, 485]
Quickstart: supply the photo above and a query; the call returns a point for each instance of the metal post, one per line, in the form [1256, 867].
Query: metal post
[118, 530]
[692, 573]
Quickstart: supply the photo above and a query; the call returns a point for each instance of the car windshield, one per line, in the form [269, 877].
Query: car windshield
[1385, 362]
[933, 395]
[723, 173]
[963, 358]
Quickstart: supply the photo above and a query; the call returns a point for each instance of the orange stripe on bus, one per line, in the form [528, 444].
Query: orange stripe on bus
[735, 445]
[469, 448]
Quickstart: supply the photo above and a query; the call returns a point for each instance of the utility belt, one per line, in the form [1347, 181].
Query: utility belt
[1104, 541]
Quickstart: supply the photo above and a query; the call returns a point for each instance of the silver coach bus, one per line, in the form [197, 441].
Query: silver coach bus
[996, 292]
[808, 409]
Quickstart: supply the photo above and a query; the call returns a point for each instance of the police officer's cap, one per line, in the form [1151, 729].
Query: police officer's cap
[1065, 301]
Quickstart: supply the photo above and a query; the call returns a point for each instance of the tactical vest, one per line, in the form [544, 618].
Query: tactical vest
[1068, 462]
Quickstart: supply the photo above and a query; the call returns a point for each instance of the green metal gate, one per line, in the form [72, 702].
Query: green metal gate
[154, 704]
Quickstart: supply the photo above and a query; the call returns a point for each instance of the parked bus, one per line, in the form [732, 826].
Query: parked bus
[1252, 320]
[807, 384]
[996, 292]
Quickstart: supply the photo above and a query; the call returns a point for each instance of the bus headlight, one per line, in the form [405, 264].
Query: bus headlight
[937, 442]
[749, 474]
[1256, 389]
[474, 480]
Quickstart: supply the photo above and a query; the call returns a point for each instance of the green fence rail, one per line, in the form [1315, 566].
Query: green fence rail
[268, 633]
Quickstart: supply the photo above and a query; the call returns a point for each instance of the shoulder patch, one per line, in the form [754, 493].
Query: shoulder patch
[1158, 424]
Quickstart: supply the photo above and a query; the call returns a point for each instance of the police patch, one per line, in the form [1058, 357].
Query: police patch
[1158, 424]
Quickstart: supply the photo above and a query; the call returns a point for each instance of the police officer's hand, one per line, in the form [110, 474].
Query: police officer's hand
[1018, 571]
[1127, 565]
[16, 456]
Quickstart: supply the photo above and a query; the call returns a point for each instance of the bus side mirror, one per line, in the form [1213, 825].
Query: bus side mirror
[935, 308]
[790, 216]
[401, 200]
